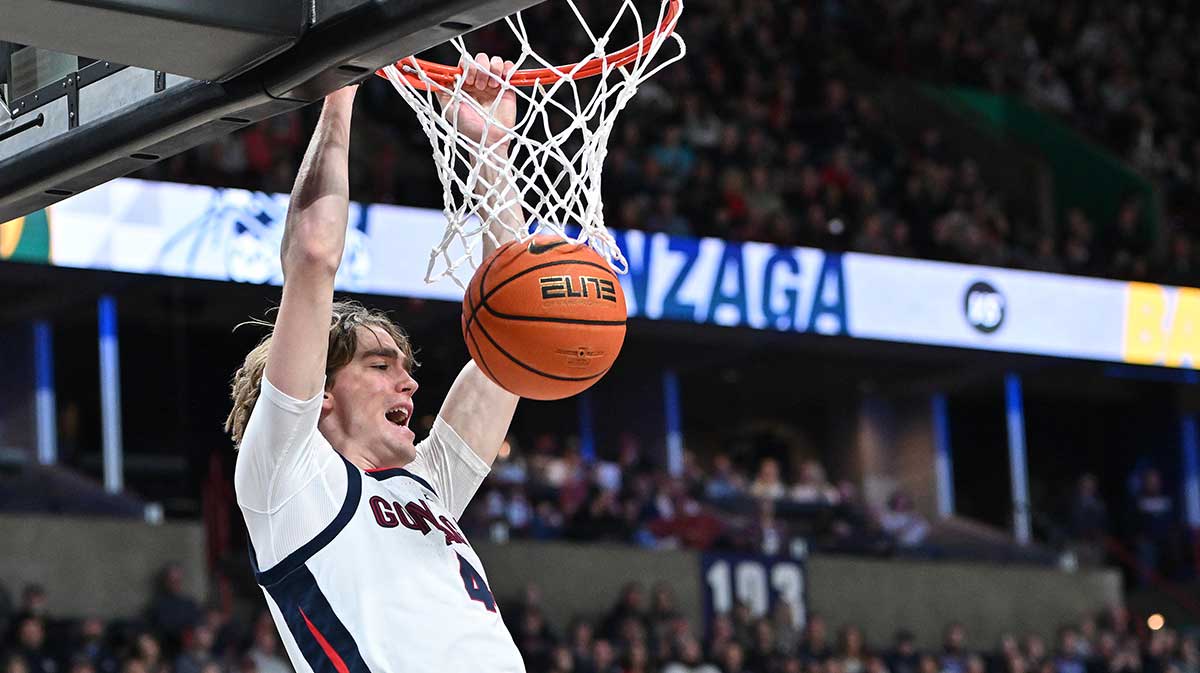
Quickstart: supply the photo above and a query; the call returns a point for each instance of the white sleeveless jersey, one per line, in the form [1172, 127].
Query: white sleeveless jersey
[391, 584]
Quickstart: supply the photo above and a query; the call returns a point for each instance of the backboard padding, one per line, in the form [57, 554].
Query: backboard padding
[94, 144]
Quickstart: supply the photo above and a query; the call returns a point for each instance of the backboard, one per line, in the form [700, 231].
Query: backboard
[96, 89]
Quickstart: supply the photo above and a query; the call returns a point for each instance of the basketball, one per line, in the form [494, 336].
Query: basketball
[544, 318]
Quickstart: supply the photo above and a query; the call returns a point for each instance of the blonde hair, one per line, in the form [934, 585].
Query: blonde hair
[346, 318]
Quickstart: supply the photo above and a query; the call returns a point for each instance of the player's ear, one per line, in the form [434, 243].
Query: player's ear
[326, 402]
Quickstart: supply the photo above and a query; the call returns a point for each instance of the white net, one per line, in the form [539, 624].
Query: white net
[550, 167]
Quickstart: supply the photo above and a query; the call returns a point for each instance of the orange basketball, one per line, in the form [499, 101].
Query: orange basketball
[544, 319]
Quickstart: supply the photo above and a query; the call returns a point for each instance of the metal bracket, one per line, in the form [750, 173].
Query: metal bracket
[71, 85]
[67, 86]
[160, 81]
[22, 127]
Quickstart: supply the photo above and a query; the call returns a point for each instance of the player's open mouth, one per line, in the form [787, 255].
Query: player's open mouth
[398, 416]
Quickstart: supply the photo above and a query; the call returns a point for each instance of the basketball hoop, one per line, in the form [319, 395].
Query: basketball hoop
[556, 148]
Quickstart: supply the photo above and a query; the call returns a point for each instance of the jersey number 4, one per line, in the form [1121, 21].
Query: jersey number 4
[476, 587]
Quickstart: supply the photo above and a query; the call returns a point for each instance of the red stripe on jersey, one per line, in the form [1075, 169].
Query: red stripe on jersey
[329, 651]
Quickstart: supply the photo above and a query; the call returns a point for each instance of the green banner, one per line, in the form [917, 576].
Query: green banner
[26, 239]
[1085, 175]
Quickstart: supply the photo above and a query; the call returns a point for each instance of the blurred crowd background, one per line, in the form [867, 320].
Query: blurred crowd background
[641, 632]
[546, 491]
[771, 131]
[777, 128]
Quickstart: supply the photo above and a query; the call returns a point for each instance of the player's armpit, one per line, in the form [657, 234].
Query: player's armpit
[479, 411]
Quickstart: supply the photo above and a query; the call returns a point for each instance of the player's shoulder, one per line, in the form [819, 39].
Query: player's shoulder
[275, 397]
[279, 417]
[445, 439]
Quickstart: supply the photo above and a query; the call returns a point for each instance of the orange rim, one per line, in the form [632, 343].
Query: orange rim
[446, 74]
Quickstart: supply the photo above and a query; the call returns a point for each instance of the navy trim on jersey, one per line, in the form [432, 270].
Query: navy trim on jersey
[298, 558]
[399, 472]
[326, 643]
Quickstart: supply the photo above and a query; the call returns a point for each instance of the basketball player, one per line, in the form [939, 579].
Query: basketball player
[353, 528]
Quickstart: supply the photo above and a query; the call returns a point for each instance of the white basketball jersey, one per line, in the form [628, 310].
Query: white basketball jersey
[390, 585]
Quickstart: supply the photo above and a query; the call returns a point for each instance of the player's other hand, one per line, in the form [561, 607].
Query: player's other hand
[482, 79]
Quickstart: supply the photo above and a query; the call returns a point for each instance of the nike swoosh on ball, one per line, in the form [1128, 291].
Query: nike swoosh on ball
[536, 249]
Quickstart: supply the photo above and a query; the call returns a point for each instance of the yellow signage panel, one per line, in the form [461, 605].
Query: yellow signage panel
[1162, 325]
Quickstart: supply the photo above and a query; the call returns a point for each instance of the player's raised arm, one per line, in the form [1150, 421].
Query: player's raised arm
[479, 410]
[313, 240]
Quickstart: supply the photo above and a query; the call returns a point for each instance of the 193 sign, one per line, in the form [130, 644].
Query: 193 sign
[759, 582]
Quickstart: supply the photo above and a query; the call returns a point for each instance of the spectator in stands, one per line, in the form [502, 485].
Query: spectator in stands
[1127, 658]
[601, 518]
[811, 487]
[265, 650]
[662, 603]
[92, 646]
[1067, 659]
[928, 664]
[1034, 650]
[906, 526]
[954, 649]
[725, 481]
[815, 646]
[510, 466]
[762, 655]
[34, 601]
[1189, 655]
[742, 618]
[733, 659]
[1089, 515]
[534, 638]
[14, 663]
[171, 610]
[630, 605]
[561, 660]
[769, 535]
[1181, 264]
[1128, 248]
[852, 650]
[518, 514]
[1118, 620]
[873, 237]
[1085, 642]
[1010, 649]
[876, 665]
[683, 521]
[31, 646]
[80, 665]
[147, 652]
[1154, 524]
[852, 527]
[604, 659]
[787, 632]
[903, 657]
[689, 658]
[581, 643]
[767, 483]
[530, 598]
[547, 522]
[197, 649]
